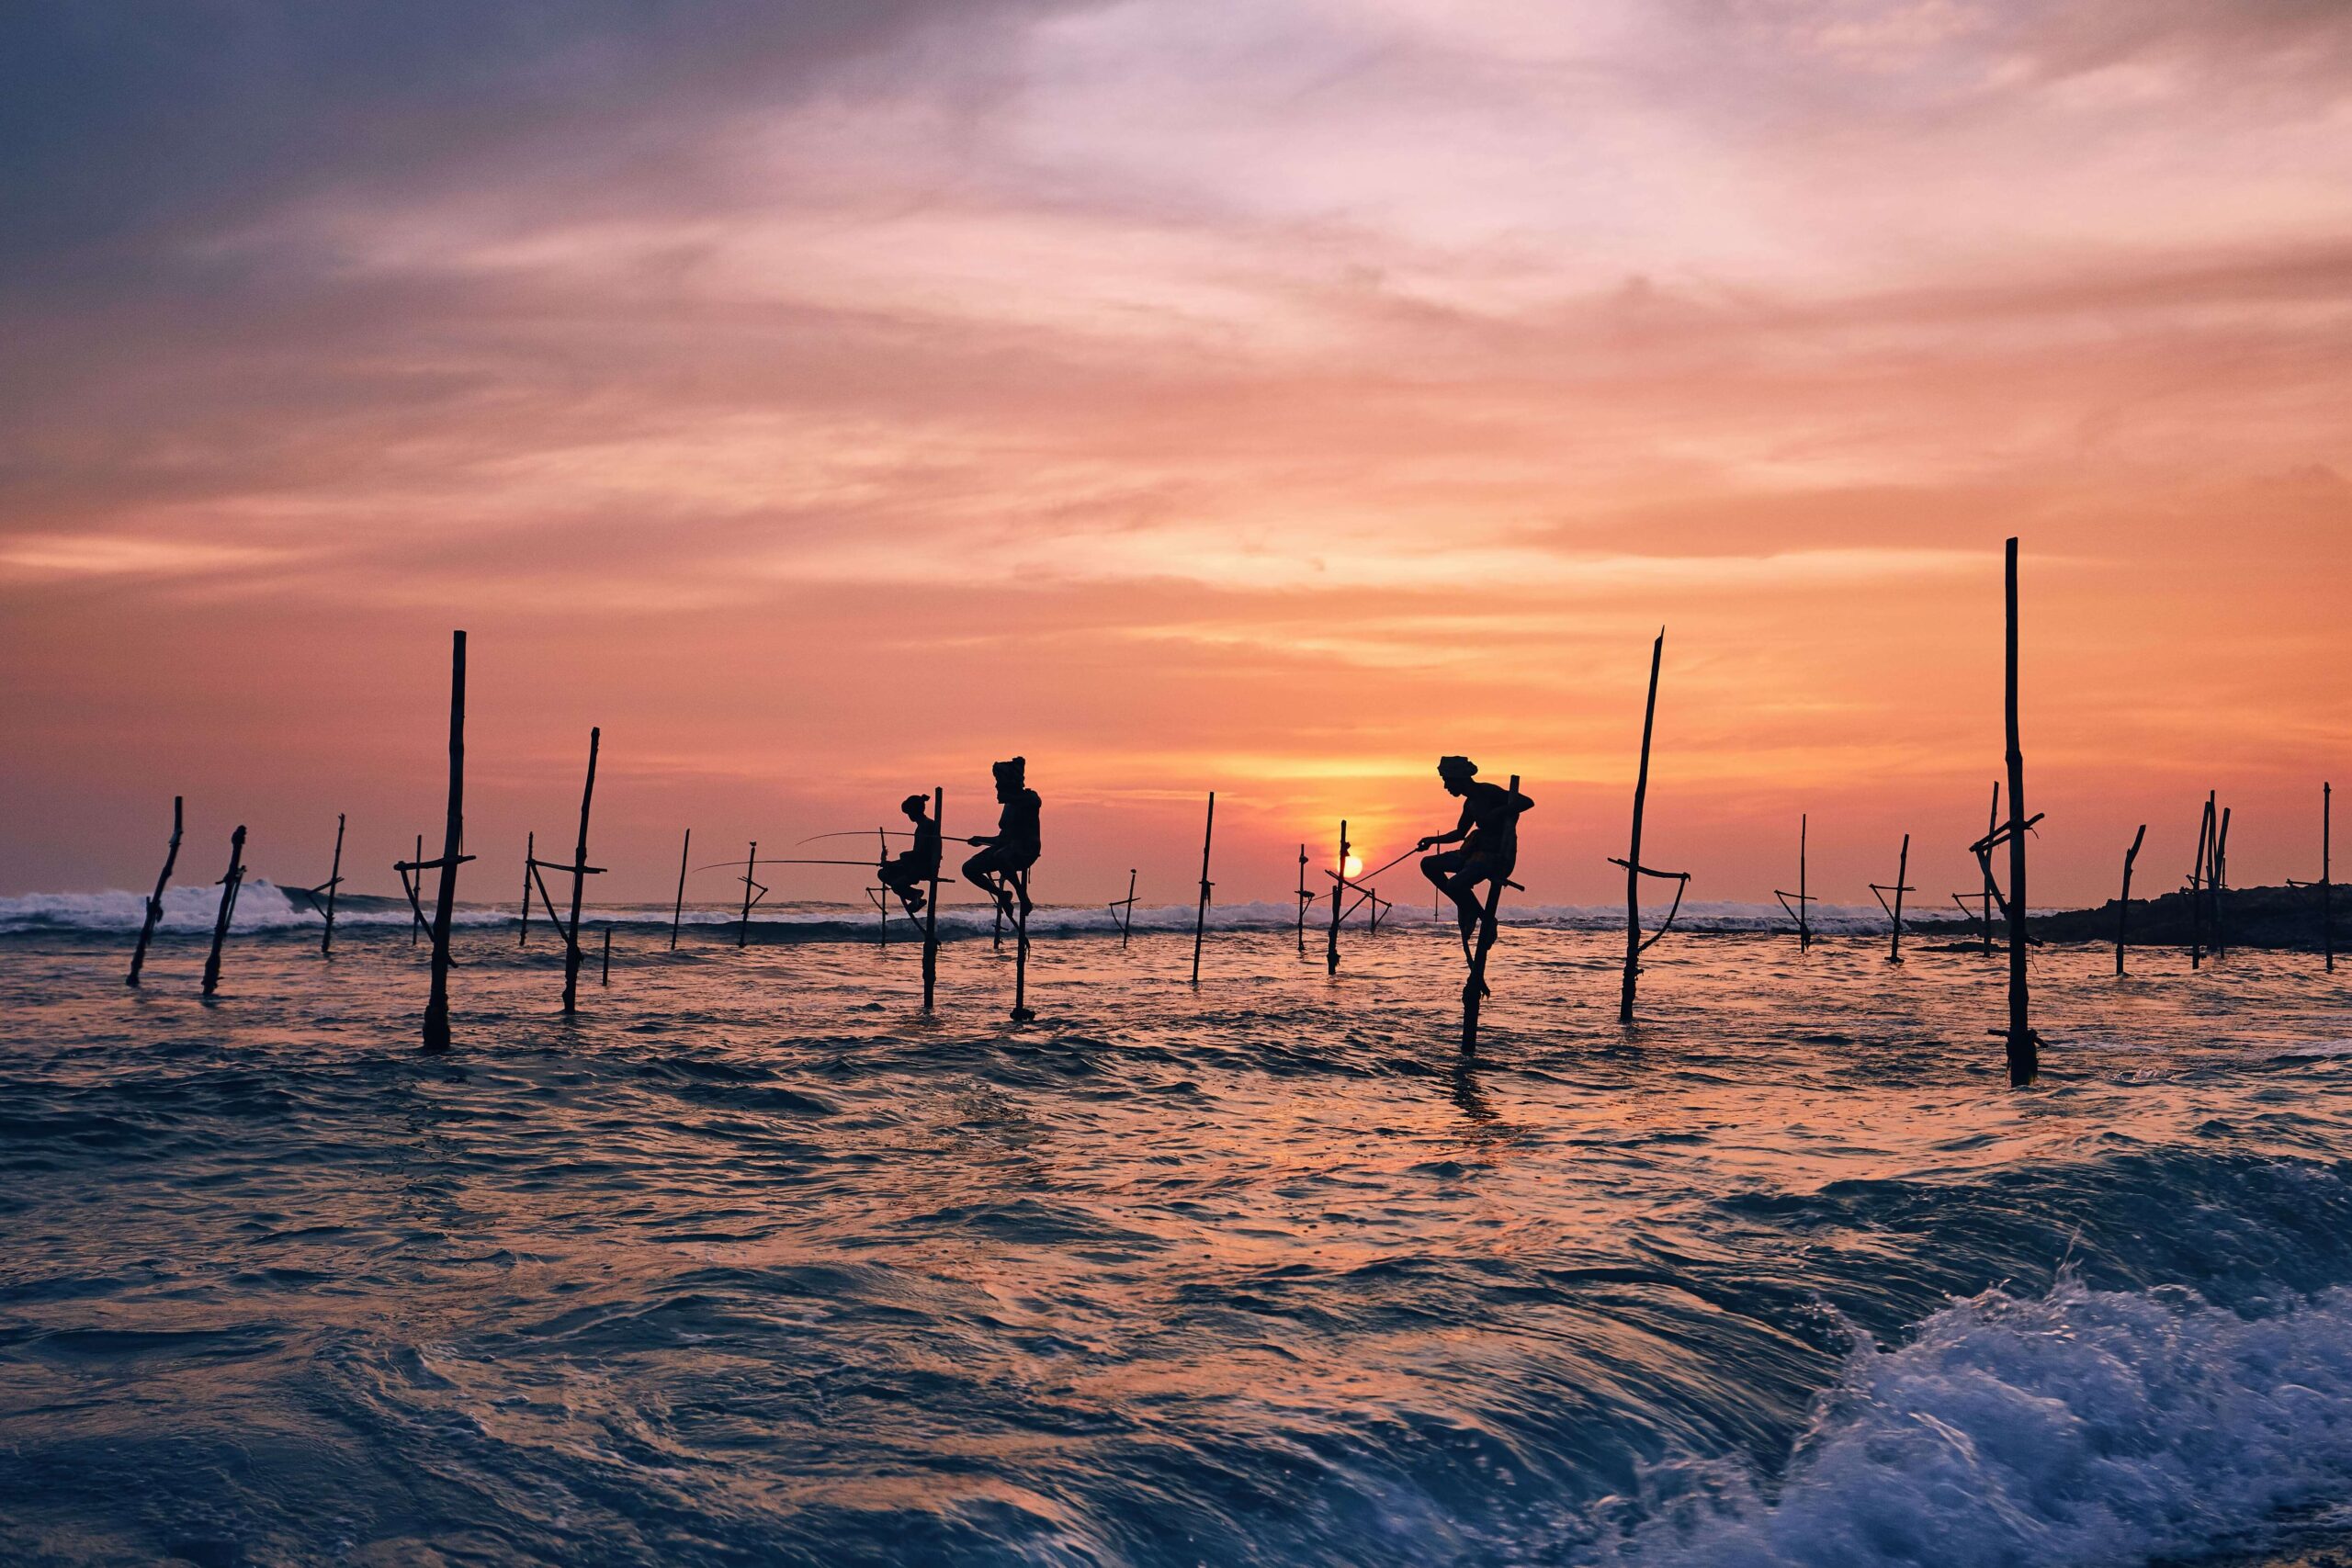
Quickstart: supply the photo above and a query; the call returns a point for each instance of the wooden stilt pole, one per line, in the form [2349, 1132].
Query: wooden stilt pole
[580, 873]
[1021, 1013]
[1126, 908]
[1303, 901]
[1201, 919]
[1804, 901]
[228, 911]
[1895, 910]
[2326, 890]
[453, 841]
[996, 931]
[678, 908]
[530, 854]
[156, 899]
[1991, 826]
[1634, 854]
[2197, 886]
[1339, 892]
[751, 865]
[2123, 904]
[605, 975]
[931, 905]
[334, 881]
[2218, 880]
[2024, 1046]
[1473, 989]
[416, 896]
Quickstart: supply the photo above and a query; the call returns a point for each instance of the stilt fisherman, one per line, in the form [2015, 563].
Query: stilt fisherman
[1489, 834]
[905, 873]
[1001, 869]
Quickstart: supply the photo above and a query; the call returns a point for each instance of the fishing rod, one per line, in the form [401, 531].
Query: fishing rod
[719, 865]
[856, 833]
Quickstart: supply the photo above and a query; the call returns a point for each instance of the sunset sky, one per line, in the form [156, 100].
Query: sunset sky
[827, 397]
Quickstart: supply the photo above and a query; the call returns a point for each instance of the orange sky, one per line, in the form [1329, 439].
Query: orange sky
[828, 400]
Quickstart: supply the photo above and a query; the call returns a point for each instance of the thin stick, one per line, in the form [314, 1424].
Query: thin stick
[1021, 1013]
[334, 880]
[605, 976]
[1634, 855]
[1339, 891]
[678, 909]
[2123, 904]
[1991, 826]
[1302, 901]
[2218, 880]
[751, 865]
[416, 896]
[1473, 989]
[2024, 1046]
[229, 885]
[1201, 920]
[530, 854]
[1804, 902]
[1894, 911]
[571, 957]
[2197, 886]
[453, 839]
[931, 905]
[2326, 890]
[156, 899]
[1126, 909]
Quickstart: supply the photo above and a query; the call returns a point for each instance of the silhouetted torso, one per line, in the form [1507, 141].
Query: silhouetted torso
[1017, 831]
[1490, 819]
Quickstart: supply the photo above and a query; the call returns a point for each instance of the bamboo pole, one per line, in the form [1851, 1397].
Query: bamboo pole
[1894, 911]
[1126, 909]
[1201, 919]
[416, 896]
[2024, 1046]
[229, 885]
[2197, 886]
[2218, 880]
[1991, 826]
[530, 854]
[931, 905]
[1302, 901]
[1338, 892]
[453, 836]
[1634, 855]
[751, 865]
[334, 881]
[2123, 904]
[678, 909]
[605, 976]
[1020, 1012]
[156, 899]
[1473, 989]
[2326, 890]
[571, 957]
[1804, 900]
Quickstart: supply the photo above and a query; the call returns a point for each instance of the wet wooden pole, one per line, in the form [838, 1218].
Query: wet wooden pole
[1021, 1011]
[678, 908]
[1473, 989]
[2023, 1046]
[228, 911]
[580, 873]
[2217, 879]
[416, 896]
[453, 839]
[334, 881]
[530, 854]
[1799, 911]
[1895, 910]
[1991, 826]
[156, 899]
[2326, 890]
[931, 905]
[1201, 919]
[1126, 909]
[1634, 854]
[2123, 904]
[2197, 886]
[605, 975]
[751, 865]
[1339, 892]
[1303, 901]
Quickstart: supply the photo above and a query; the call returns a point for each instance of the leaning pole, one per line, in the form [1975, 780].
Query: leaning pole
[2024, 1046]
[453, 838]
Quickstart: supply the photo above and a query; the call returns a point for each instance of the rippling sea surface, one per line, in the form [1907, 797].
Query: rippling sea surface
[751, 1263]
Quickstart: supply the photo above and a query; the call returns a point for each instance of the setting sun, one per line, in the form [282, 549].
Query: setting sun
[1352, 865]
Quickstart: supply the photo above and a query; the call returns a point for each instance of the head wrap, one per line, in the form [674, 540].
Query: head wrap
[914, 803]
[1012, 772]
[1456, 768]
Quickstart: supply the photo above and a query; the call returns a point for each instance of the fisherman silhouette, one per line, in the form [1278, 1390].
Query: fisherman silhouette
[905, 873]
[998, 869]
[1489, 834]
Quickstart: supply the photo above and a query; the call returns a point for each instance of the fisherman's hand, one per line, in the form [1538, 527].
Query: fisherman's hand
[976, 842]
[1425, 845]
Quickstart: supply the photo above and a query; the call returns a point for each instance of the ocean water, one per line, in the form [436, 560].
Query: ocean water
[751, 1263]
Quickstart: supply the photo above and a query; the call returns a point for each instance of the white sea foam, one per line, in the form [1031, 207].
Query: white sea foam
[2083, 1428]
[262, 906]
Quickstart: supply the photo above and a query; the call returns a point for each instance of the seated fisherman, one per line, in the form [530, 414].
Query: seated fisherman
[905, 873]
[1013, 847]
[1489, 834]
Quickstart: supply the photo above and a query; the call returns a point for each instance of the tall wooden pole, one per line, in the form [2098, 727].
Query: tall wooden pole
[1634, 855]
[2217, 880]
[1338, 893]
[1991, 826]
[453, 838]
[2197, 886]
[334, 880]
[678, 909]
[2024, 1046]
[605, 975]
[1901, 872]
[1021, 1013]
[2123, 904]
[1805, 924]
[931, 905]
[1127, 920]
[530, 854]
[1201, 919]
[417, 899]
[1473, 989]
[2326, 890]
[571, 956]
[229, 885]
[156, 899]
[751, 865]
